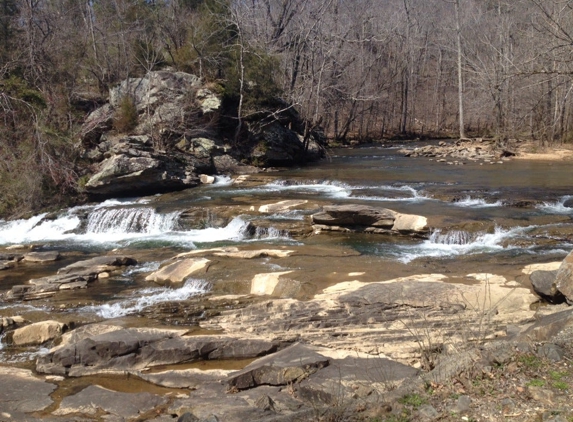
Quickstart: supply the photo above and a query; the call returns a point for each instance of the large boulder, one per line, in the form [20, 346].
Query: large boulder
[564, 278]
[354, 217]
[178, 271]
[543, 284]
[37, 333]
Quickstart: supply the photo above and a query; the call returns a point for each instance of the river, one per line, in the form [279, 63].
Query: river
[484, 217]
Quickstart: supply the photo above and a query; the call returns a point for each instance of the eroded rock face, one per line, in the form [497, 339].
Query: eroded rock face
[175, 138]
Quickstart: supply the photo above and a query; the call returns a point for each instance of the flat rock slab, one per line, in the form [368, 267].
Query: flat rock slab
[97, 265]
[281, 206]
[179, 271]
[42, 256]
[95, 399]
[354, 376]
[213, 400]
[287, 366]
[21, 391]
[355, 215]
[132, 349]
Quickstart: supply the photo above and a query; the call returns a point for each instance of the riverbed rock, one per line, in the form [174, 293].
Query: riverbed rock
[98, 265]
[543, 283]
[23, 392]
[564, 278]
[281, 206]
[353, 217]
[74, 276]
[179, 271]
[265, 284]
[132, 349]
[381, 317]
[556, 328]
[95, 399]
[37, 333]
[40, 257]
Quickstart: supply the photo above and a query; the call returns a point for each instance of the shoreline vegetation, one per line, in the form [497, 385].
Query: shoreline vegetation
[357, 72]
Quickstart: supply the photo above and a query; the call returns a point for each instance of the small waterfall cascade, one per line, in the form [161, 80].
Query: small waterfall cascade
[454, 237]
[130, 220]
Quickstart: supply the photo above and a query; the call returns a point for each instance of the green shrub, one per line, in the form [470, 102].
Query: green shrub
[126, 117]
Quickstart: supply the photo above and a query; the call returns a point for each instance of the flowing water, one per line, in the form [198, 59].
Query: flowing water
[474, 227]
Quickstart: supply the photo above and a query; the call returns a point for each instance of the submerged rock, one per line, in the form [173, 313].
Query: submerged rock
[95, 399]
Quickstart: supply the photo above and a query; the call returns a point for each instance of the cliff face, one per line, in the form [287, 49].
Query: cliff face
[160, 132]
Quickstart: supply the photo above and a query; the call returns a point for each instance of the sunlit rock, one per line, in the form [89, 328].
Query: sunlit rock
[178, 271]
[564, 278]
[37, 333]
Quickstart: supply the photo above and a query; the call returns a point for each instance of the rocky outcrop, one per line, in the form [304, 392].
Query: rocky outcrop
[382, 317]
[124, 349]
[460, 151]
[173, 138]
[363, 218]
[70, 277]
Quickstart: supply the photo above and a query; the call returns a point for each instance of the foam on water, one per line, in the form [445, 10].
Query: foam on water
[115, 226]
[331, 189]
[557, 207]
[469, 202]
[223, 181]
[455, 243]
[37, 229]
[146, 297]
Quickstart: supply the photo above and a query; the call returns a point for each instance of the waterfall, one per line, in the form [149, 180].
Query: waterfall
[454, 237]
[130, 220]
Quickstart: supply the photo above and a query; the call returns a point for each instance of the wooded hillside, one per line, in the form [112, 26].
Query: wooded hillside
[361, 69]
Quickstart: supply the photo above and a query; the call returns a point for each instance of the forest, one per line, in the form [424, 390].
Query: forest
[362, 70]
